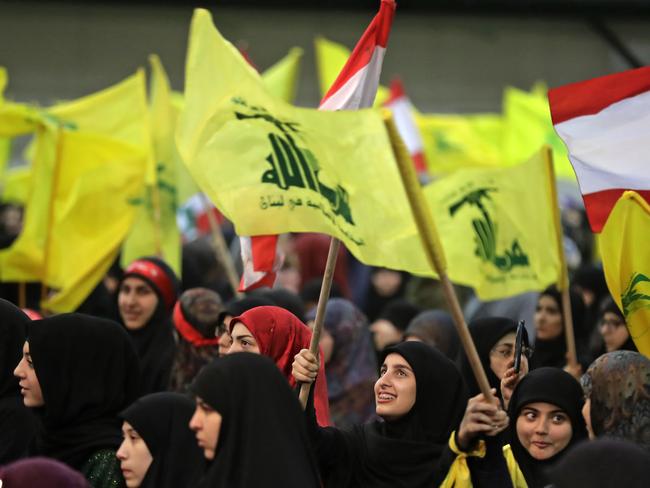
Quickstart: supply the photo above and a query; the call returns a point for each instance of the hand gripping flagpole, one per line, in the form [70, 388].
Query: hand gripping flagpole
[328, 277]
[434, 252]
[563, 281]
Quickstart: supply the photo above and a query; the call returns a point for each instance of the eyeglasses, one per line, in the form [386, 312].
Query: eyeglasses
[611, 323]
[506, 351]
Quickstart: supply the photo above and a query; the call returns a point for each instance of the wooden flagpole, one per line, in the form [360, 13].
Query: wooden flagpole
[221, 248]
[435, 254]
[328, 277]
[563, 282]
[22, 294]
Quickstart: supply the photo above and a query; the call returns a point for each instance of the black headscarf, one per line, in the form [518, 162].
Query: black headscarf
[287, 300]
[263, 439]
[88, 371]
[405, 452]
[16, 422]
[552, 352]
[162, 420]
[486, 333]
[603, 463]
[436, 328]
[238, 306]
[557, 387]
[154, 341]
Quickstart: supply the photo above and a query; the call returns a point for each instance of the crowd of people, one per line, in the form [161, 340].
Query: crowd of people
[170, 384]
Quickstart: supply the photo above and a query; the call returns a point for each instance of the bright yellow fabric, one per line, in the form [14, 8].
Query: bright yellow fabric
[496, 228]
[528, 126]
[330, 59]
[273, 168]
[626, 261]
[281, 79]
[93, 210]
[459, 475]
[453, 142]
[5, 144]
[154, 231]
[16, 185]
[94, 150]
[517, 477]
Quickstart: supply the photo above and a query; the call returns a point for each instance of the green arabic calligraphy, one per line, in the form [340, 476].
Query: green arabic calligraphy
[292, 166]
[485, 233]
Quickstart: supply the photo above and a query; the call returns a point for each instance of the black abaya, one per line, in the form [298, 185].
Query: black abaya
[88, 372]
[16, 420]
[409, 452]
[162, 421]
[262, 441]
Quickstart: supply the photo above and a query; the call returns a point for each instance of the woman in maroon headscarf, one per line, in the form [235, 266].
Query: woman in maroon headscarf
[280, 335]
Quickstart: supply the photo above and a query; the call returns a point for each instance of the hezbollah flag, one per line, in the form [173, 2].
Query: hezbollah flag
[155, 231]
[453, 142]
[624, 249]
[528, 127]
[281, 79]
[272, 168]
[497, 227]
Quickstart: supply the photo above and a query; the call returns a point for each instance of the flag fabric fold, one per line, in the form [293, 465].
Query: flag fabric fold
[626, 262]
[604, 124]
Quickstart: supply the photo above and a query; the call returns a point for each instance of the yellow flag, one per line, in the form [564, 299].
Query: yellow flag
[98, 144]
[16, 185]
[154, 231]
[281, 79]
[330, 59]
[453, 142]
[623, 246]
[273, 168]
[528, 127]
[496, 228]
[98, 179]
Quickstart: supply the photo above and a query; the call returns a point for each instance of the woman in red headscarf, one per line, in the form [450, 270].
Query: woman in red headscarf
[280, 335]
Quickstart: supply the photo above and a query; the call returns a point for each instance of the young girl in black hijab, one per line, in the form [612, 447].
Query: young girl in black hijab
[421, 398]
[146, 298]
[250, 426]
[16, 421]
[77, 373]
[159, 449]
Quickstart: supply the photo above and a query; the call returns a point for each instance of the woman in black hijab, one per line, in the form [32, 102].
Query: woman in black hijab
[79, 372]
[160, 421]
[16, 421]
[146, 298]
[545, 423]
[550, 342]
[409, 448]
[250, 426]
[494, 338]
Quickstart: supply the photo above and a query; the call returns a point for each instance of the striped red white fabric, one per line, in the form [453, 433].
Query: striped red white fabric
[354, 88]
[262, 260]
[605, 124]
[356, 85]
[402, 110]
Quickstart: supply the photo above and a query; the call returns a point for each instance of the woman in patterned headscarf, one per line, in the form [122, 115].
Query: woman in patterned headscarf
[617, 389]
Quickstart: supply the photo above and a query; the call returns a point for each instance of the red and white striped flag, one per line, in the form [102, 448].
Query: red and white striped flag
[262, 260]
[605, 124]
[356, 85]
[354, 88]
[402, 110]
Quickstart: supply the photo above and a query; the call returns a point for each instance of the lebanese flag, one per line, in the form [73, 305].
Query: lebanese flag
[605, 124]
[356, 85]
[402, 110]
[262, 260]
